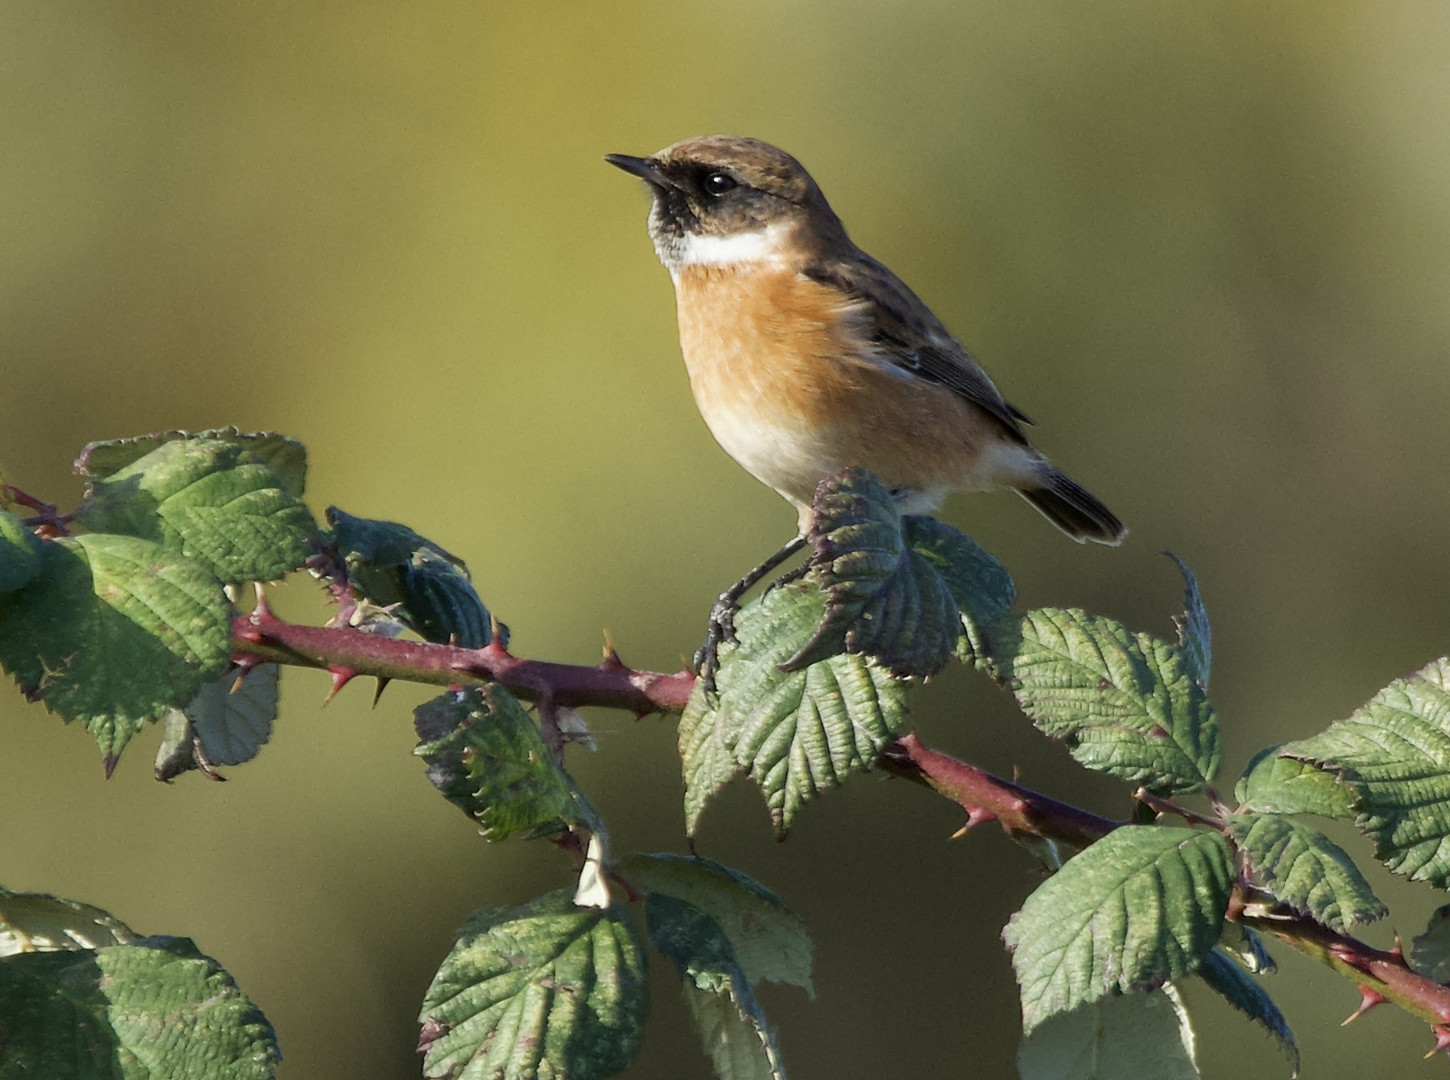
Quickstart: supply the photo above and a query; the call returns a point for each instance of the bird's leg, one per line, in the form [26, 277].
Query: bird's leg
[722, 615]
[790, 576]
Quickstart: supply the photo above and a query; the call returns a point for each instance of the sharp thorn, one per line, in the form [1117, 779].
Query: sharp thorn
[383, 681]
[1368, 999]
[245, 666]
[341, 676]
[1442, 1041]
[977, 815]
[611, 662]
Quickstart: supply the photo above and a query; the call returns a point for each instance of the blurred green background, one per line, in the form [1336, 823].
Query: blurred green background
[1204, 245]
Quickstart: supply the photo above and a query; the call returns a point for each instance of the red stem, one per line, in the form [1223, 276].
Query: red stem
[261, 637]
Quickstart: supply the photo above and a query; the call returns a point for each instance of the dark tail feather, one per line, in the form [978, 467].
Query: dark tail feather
[1074, 510]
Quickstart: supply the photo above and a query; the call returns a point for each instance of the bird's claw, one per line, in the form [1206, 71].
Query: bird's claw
[721, 631]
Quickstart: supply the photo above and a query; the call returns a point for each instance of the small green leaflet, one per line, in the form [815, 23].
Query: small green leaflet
[1279, 785]
[544, 990]
[20, 553]
[486, 756]
[1139, 908]
[155, 1007]
[391, 564]
[769, 940]
[1301, 867]
[1394, 752]
[1246, 945]
[731, 1023]
[905, 592]
[114, 632]
[36, 922]
[1430, 952]
[795, 733]
[211, 500]
[287, 458]
[226, 723]
[1235, 986]
[1147, 1035]
[1195, 636]
[1126, 704]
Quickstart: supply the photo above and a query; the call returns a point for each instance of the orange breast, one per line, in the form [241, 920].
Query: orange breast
[783, 373]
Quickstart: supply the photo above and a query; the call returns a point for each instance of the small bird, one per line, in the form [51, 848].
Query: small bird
[807, 356]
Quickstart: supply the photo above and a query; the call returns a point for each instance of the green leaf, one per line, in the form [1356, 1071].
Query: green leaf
[980, 585]
[1140, 907]
[1280, 785]
[234, 721]
[543, 990]
[1195, 636]
[1248, 997]
[487, 757]
[1138, 1035]
[153, 1008]
[211, 500]
[1126, 704]
[113, 633]
[391, 564]
[730, 1020]
[796, 733]
[287, 458]
[36, 922]
[900, 590]
[20, 553]
[179, 750]
[226, 723]
[1430, 951]
[882, 600]
[1301, 867]
[1246, 945]
[1394, 752]
[706, 761]
[769, 940]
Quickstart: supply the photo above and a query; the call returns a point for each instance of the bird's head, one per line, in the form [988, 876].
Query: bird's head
[722, 200]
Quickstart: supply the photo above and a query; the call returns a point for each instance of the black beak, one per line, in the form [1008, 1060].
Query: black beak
[647, 169]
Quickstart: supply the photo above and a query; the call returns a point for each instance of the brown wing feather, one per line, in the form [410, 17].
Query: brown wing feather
[913, 339]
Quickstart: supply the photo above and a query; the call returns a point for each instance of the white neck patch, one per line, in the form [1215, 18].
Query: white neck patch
[692, 249]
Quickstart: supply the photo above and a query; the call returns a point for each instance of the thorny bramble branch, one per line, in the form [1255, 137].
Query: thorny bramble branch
[260, 637]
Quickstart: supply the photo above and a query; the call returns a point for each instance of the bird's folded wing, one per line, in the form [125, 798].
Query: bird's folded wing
[913, 340]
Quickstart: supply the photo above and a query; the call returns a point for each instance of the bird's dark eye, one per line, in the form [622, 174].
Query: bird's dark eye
[718, 183]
